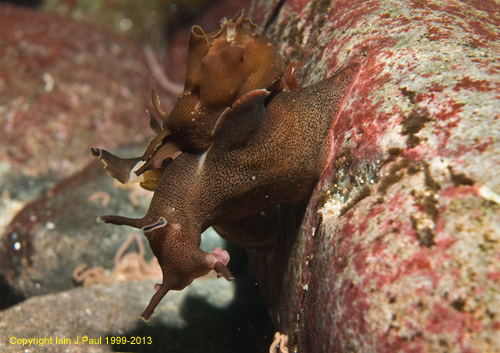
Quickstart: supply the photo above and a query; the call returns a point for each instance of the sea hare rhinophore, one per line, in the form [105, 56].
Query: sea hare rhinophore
[242, 136]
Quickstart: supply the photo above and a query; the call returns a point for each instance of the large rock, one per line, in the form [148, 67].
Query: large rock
[399, 247]
[105, 313]
[63, 87]
[61, 91]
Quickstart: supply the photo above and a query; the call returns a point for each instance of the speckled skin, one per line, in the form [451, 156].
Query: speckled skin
[261, 155]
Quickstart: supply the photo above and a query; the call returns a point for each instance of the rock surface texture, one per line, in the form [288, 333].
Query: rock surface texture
[57, 95]
[399, 247]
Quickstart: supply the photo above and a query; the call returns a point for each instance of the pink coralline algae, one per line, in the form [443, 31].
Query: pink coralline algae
[399, 247]
[52, 88]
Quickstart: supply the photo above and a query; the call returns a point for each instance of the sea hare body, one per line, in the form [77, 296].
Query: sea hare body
[257, 139]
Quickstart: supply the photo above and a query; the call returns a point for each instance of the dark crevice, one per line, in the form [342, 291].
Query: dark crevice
[8, 294]
[460, 178]
[274, 15]
[458, 304]
[26, 3]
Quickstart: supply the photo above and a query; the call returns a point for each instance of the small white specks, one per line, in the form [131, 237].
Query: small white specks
[50, 226]
[305, 287]
[88, 312]
[489, 194]
[17, 245]
[37, 285]
[306, 34]
[49, 82]
[253, 178]
[125, 24]
[65, 296]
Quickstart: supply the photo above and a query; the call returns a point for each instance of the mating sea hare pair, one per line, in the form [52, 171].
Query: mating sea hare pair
[242, 136]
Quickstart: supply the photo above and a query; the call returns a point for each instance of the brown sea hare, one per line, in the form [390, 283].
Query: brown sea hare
[242, 136]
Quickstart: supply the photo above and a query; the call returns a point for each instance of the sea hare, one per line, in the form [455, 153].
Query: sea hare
[242, 136]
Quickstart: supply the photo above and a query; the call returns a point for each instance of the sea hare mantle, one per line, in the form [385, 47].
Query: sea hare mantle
[242, 136]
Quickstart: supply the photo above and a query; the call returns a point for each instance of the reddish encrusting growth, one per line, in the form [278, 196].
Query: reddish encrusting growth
[436, 63]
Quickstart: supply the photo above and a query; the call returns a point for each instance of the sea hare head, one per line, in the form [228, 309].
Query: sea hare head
[181, 261]
[221, 67]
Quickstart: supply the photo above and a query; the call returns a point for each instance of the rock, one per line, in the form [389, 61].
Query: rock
[63, 222]
[142, 22]
[58, 96]
[108, 312]
[398, 249]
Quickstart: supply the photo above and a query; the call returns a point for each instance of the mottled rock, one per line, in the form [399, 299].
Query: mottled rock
[399, 246]
[141, 21]
[34, 245]
[64, 86]
[58, 96]
[110, 312]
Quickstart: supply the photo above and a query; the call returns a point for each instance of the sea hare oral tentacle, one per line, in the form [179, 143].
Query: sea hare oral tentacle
[223, 271]
[243, 137]
[155, 300]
